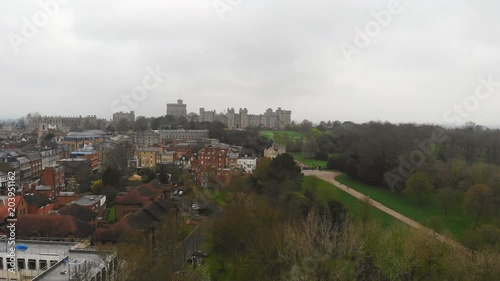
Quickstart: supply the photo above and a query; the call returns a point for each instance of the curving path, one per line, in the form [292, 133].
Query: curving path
[329, 176]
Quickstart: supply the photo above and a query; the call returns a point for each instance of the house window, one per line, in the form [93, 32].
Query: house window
[9, 265]
[21, 264]
[31, 264]
[43, 264]
[52, 263]
[1, 263]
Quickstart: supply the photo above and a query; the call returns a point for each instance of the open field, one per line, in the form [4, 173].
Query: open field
[272, 134]
[453, 224]
[309, 162]
[326, 191]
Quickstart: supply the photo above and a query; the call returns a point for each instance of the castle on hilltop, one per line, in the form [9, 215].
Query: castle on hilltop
[241, 119]
[236, 120]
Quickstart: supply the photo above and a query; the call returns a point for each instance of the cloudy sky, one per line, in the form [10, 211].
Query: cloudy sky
[416, 61]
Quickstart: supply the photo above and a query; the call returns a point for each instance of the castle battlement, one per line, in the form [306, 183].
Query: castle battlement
[242, 119]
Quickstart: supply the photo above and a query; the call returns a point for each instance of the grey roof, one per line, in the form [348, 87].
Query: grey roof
[88, 200]
[8, 153]
[36, 199]
[149, 149]
[78, 212]
[33, 156]
[43, 187]
[23, 160]
[86, 133]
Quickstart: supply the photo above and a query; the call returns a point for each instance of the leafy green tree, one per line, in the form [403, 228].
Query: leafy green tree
[123, 125]
[446, 198]
[111, 177]
[478, 201]
[233, 232]
[494, 183]
[435, 223]
[141, 124]
[149, 174]
[49, 136]
[419, 187]
[283, 168]
[316, 133]
[310, 148]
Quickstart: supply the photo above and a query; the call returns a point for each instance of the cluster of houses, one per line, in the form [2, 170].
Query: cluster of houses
[49, 207]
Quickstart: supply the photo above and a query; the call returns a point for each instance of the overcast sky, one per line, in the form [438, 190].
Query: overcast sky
[259, 54]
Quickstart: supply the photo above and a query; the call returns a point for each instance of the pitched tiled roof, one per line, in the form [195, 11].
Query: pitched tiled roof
[143, 219]
[78, 212]
[141, 195]
[52, 226]
[33, 156]
[36, 199]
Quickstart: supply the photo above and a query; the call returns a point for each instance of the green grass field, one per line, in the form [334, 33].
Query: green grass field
[110, 214]
[453, 224]
[326, 191]
[309, 162]
[272, 134]
[219, 197]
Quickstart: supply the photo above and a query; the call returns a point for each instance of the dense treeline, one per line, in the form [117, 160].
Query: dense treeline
[369, 151]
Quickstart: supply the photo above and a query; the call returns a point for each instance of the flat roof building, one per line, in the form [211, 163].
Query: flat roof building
[58, 261]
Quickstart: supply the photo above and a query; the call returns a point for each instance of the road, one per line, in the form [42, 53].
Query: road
[329, 176]
[188, 246]
[191, 243]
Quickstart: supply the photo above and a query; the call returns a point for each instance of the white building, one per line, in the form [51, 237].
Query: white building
[247, 164]
[57, 261]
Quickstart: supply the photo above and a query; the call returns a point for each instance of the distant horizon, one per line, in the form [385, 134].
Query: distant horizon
[315, 122]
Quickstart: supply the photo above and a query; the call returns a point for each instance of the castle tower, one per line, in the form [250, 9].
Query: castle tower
[244, 122]
[230, 118]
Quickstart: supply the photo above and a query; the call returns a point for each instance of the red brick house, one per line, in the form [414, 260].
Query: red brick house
[21, 207]
[213, 157]
[54, 177]
[64, 198]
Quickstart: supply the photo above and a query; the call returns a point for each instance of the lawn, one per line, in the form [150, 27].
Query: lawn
[272, 134]
[326, 191]
[309, 162]
[453, 224]
[110, 214]
[219, 197]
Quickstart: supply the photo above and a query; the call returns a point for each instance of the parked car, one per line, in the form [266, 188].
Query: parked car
[198, 217]
[195, 259]
[195, 207]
